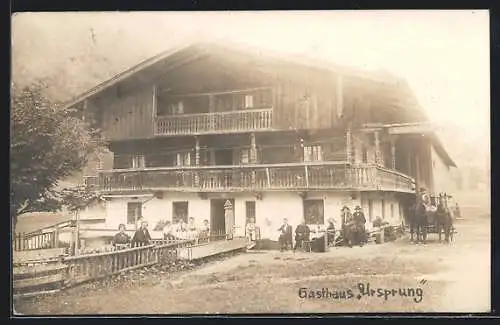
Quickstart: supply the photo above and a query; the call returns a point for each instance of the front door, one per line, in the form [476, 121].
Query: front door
[221, 216]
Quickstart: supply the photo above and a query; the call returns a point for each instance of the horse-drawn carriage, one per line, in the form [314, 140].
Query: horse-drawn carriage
[431, 215]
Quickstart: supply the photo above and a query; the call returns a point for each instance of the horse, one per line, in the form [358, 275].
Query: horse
[444, 218]
[418, 222]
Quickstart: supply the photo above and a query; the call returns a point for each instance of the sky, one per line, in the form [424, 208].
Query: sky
[444, 55]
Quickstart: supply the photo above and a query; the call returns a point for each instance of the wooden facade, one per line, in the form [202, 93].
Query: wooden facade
[225, 122]
[294, 177]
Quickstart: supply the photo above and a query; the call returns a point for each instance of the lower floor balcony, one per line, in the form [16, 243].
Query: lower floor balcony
[292, 176]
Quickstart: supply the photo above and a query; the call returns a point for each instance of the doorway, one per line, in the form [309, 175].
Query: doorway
[221, 216]
[314, 212]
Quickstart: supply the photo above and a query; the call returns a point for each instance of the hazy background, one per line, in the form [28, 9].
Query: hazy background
[444, 55]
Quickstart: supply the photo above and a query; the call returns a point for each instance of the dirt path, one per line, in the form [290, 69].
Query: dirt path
[452, 277]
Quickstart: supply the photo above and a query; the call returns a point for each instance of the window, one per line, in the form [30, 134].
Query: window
[134, 211]
[183, 159]
[250, 210]
[248, 101]
[138, 161]
[313, 153]
[176, 108]
[314, 212]
[392, 211]
[180, 211]
[245, 156]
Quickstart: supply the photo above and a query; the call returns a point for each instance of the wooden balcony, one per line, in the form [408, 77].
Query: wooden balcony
[91, 181]
[220, 122]
[293, 176]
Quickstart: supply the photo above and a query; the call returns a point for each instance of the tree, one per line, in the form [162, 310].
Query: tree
[48, 143]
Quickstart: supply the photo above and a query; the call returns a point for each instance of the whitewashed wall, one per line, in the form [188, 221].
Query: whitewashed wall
[270, 210]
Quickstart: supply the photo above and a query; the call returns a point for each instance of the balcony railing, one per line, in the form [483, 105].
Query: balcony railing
[220, 122]
[293, 176]
[91, 181]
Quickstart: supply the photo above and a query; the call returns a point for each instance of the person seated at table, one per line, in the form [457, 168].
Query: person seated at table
[181, 225]
[191, 226]
[192, 229]
[317, 229]
[167, 231]
[204, 230]
[121, 239]
[250, 233]
[302, 233]
[250, 229]
[379, 222]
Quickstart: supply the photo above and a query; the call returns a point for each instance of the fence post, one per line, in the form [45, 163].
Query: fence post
[56, 237]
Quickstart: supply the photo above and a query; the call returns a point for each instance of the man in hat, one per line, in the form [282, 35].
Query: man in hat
[285, 235]
[347, 225]
[360, 221]
[424, 197]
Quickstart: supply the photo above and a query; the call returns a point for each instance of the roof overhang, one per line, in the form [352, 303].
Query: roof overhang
[198, 49]
[417, 128]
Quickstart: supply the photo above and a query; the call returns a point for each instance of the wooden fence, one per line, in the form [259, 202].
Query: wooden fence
[32, 241]
[38, 271]
[95, 266]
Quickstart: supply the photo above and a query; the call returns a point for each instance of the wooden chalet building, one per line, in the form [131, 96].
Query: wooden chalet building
[208, 128]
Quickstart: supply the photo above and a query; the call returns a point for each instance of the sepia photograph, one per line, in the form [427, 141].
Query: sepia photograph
[251, 162]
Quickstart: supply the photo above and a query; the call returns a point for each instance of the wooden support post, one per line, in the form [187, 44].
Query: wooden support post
[253, 149]
[197, 161]
[268, 178]
[393, 153]
[56, 237]
[253, 155]
[377, 149]
[306, 168]
[417, 178]
[197, 151]
[154, 111]
[77, 234]
[349, 152]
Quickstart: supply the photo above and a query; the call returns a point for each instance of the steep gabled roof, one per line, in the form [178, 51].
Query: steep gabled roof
[126, 74]
[228, 47]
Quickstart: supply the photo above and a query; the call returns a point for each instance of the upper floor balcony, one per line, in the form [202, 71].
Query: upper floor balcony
[218, 122]
[233, 111]
[291, 176]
